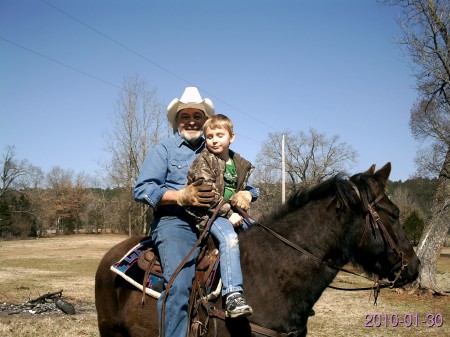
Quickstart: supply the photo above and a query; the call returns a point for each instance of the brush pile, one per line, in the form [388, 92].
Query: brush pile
[44, 304]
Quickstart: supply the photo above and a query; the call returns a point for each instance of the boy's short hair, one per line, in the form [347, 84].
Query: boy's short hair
[217, 122]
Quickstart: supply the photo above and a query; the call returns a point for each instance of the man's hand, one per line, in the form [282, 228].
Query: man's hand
[241, 199]
[197, 194]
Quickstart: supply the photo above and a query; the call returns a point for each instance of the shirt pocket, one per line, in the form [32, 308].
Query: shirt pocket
[178, 170]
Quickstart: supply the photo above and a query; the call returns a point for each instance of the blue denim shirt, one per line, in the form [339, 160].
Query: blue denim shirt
[166, 168]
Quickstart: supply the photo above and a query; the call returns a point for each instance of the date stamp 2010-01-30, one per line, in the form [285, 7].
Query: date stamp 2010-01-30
[408, 320]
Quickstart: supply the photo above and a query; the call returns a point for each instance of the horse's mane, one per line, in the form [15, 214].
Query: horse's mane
[336, 187]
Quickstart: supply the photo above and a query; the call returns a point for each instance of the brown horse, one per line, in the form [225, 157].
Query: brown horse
[337, 222]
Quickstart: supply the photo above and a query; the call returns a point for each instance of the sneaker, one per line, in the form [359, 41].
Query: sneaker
[237, 306]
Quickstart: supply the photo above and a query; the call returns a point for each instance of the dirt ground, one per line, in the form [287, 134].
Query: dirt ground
[31, 268]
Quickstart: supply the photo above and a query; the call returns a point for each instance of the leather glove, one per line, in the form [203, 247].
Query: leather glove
[236, 220]
[241, 199]
[196, 194]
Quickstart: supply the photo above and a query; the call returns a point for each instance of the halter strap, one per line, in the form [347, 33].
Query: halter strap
[218, 313]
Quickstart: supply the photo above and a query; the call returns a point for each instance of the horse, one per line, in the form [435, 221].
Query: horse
[339, 221]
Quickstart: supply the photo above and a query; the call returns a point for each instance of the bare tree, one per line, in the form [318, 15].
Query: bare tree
[139, 124]
[426, 25]
[430, 159]
[406, 203]
[310, 158]
[21, 177]
[12, 169]
[268, 182]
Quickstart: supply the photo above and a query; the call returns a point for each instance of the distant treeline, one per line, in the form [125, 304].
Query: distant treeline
[421, 191]
[73, 209]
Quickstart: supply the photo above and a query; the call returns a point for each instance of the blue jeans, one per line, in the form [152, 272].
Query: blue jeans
[230, 263]
[174, 238]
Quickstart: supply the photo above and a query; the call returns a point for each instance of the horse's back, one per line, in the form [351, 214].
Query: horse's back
[118, 303]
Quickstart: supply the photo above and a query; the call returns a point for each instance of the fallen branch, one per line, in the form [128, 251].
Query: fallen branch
[51, 296]
[43, 304]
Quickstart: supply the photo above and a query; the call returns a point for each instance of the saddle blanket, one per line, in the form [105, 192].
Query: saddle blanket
[129, 270]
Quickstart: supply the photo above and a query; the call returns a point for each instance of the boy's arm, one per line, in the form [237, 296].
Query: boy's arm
[201, 173]
[200, 170]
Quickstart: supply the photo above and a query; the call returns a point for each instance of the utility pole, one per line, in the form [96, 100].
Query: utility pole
[283, 173]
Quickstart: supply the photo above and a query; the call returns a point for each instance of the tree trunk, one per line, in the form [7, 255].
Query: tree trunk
[435, 232]
[130, 221]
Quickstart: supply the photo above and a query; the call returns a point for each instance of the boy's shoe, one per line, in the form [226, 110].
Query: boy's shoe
[237, 306]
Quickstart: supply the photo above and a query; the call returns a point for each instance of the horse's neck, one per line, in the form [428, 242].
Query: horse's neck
[291, 280]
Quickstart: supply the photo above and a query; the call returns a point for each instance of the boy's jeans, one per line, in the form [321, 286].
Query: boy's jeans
[230, 264]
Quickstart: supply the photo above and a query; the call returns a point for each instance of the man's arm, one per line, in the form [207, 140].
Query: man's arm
[169, 197]
[150, 185]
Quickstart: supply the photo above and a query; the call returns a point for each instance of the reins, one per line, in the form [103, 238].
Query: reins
[313, 257]
[372, 219]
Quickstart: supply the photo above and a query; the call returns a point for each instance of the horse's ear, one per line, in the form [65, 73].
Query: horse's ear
[384, 172]
[371, 170]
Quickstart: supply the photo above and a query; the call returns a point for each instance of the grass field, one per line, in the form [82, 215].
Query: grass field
[31, 268]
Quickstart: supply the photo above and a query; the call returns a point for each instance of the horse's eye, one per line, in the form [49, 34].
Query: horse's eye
[396, 214]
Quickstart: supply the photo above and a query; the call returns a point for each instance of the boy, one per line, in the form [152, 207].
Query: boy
[228, 173]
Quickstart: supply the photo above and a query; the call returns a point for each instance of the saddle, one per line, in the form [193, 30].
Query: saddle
[206, 276]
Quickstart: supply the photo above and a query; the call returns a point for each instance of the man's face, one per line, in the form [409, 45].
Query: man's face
[190, 123]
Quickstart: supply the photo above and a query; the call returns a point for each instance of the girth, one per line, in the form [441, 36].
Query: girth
[220, 314]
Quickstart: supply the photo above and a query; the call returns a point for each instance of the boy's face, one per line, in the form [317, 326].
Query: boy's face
[218, 140]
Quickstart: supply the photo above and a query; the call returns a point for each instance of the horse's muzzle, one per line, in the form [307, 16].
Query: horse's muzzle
[405, 272]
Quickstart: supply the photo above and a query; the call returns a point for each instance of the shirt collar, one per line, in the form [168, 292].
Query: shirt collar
[180, 141]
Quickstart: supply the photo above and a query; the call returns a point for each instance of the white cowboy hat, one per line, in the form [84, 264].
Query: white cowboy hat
[191, 99]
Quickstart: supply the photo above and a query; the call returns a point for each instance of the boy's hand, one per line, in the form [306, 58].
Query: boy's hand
[197, 194]
[241, 199]
[235, 219]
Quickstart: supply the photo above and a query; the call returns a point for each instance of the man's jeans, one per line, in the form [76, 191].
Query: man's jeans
[230, 264]
[174, 238]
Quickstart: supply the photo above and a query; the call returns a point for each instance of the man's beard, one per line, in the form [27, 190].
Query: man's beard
[191, 138]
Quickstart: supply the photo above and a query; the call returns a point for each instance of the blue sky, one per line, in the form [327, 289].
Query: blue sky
[269, 65]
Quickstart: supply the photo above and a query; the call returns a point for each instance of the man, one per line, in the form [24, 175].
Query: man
[161, 185]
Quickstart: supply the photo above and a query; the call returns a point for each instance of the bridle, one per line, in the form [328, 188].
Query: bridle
[373, 221]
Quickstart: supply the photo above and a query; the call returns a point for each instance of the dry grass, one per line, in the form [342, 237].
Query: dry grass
[341, 313]
[35, 267]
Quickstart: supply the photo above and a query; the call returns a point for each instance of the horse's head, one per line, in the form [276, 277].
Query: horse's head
[383, 250]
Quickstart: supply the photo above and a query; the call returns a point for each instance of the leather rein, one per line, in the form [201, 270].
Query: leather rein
[372, 221]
